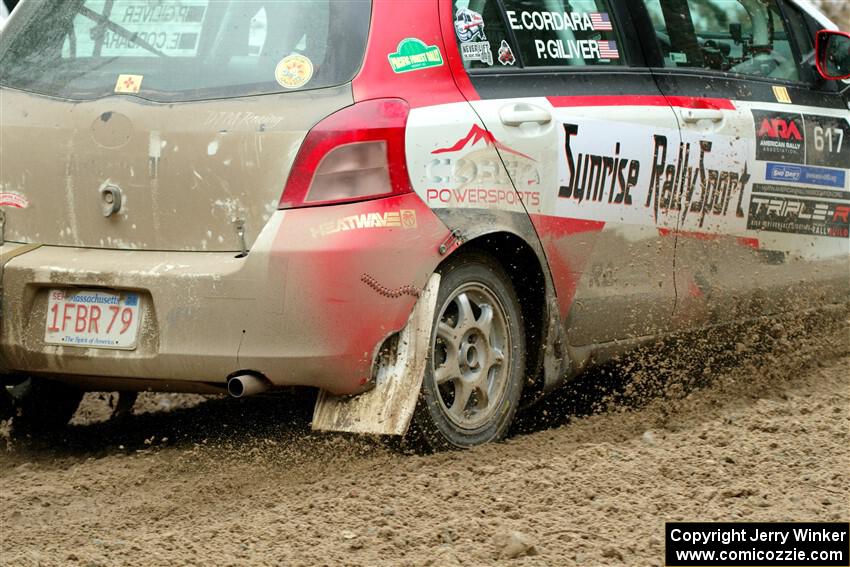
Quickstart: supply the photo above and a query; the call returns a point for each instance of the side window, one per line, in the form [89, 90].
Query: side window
[481, 34]
[547, 33]
[799, 29]
[565, 32]
[736, 36]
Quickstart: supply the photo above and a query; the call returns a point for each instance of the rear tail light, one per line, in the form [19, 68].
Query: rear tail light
[352, 155]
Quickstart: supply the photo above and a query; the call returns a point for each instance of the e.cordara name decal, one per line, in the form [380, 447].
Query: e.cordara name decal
[672, 186]
[404, 218]
[798, 216]
[559, 21]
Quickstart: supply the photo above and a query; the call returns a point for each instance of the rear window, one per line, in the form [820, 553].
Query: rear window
[168, 50]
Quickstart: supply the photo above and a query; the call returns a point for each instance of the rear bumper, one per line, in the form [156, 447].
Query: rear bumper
[309, 305]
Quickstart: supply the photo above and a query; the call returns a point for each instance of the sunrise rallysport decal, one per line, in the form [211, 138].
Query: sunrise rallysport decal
[412, 54]
[681, 181]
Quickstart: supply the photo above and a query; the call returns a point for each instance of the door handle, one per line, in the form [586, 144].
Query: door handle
[691, 115]
[521, 113]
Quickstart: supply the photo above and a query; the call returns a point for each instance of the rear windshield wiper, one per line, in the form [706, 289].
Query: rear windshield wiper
[122, 31]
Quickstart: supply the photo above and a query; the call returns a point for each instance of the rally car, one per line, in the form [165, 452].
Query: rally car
[245, 196]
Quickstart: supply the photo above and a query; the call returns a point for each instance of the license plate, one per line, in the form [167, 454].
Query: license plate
[92, 319]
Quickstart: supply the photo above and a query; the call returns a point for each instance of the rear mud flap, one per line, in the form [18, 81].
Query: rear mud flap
[388, 407]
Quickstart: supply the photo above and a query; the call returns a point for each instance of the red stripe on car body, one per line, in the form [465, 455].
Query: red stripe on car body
[642, 100]
[559, 236]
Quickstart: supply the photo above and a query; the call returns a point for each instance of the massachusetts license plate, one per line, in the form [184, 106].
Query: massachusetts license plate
[92, 319]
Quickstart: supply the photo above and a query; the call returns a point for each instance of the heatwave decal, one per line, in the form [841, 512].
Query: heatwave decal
[674, 184]
[13, 199]
[403, 218]
[412, 55]
[798, 216]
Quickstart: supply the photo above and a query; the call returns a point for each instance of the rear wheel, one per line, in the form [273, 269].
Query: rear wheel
[474, 375]
[37, 405]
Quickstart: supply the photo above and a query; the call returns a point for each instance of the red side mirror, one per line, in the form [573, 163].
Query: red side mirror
[832, 54]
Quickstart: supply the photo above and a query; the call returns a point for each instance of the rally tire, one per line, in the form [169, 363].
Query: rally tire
[476, 357]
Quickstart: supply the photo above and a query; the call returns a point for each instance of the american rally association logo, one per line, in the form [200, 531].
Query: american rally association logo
[779, 136]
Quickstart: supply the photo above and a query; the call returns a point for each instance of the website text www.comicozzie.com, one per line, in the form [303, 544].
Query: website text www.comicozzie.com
[776, 556]
[692, 544]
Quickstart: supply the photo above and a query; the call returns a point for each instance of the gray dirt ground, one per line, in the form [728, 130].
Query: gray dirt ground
[682, 433]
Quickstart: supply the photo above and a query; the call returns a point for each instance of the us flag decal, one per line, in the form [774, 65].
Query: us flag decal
[608, 50]
[601, 21]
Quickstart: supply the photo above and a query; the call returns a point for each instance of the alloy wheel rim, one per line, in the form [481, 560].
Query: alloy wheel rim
[471, 356]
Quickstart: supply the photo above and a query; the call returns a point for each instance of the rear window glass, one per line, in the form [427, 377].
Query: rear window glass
[182, 49]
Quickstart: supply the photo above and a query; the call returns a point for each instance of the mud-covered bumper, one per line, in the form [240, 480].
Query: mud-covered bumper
[318, 293]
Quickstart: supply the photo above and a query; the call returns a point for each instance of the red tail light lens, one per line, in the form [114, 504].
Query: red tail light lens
[352, 155]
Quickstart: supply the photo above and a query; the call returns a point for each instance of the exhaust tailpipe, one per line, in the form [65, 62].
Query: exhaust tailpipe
[245, 385]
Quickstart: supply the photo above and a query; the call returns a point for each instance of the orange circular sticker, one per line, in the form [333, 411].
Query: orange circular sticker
[293, 71]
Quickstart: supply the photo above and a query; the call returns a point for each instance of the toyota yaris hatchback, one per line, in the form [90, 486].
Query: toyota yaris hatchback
[431, 211]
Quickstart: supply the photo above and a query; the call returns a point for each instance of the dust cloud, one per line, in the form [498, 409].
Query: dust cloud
[746, 424]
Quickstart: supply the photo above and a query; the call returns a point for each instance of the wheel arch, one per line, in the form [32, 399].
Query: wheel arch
[525, 264]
